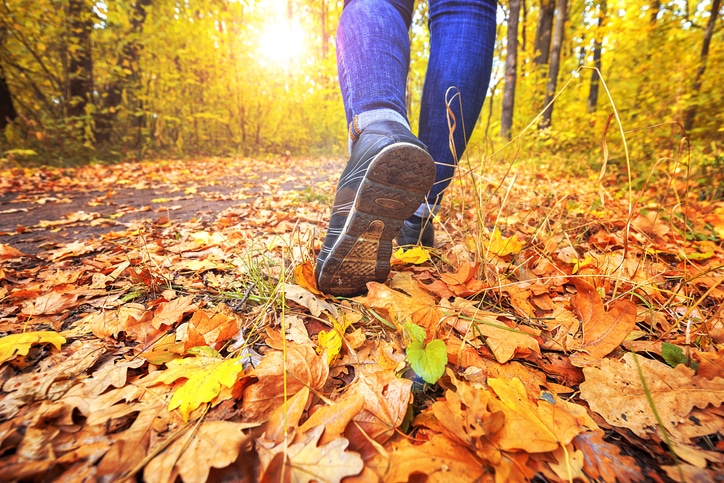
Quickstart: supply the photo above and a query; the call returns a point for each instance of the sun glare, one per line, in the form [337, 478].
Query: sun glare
[281, 43]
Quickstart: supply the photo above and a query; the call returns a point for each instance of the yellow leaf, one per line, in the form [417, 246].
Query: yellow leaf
[416, 255]
[205, 377]
[19, 344]
[191, 190]
[504, 246]
[331, 342]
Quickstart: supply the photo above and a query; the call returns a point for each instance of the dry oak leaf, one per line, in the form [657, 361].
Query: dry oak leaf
[130, 447]
[52, 303]
[615, 391]
[19, 344]
[215, 444]
[306, 298]
[602, 331]
[603, 461]
[111, 322]
[546, 426]
[304, 367]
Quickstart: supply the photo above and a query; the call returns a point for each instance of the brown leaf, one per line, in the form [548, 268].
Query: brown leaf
[215, 444]
[615, 391]
[440, 460]
[604, 462]
[308, 461]
[415, 305]
[386, 399]
[304, 368]
[6, 251]
[170, 313]
[602, 331]
[335, 417]
[50, 303]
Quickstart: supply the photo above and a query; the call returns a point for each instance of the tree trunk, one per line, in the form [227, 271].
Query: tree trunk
[511, 65]
[80, 70]
[690, 114]
[542, 42]
[127, 64]
[593, 91]
[7, 108]
[555, 63]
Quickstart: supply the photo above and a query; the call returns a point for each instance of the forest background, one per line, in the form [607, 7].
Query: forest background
[84, 80]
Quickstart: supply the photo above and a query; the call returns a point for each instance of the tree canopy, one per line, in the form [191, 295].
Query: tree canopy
[84, 79]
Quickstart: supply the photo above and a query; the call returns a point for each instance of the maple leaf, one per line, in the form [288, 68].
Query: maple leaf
[386, 399]
[335, 417]
[546, 425]
[440, 460]
[214, 444]
[205, 377]
[212, 331]
[615, 391]
[169, 313]
[19, 344]
[307, 461]
[415, 305]
[602, 331]
[304, 368]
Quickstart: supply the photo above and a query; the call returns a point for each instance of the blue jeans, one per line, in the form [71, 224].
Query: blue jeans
[373, 58]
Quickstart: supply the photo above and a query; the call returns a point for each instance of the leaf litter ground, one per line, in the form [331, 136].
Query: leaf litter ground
[160, 322]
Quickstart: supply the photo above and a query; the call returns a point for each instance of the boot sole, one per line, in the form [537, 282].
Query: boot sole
[395, 183]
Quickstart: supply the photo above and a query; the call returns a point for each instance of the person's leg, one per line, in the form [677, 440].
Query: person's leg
[389, 171]
[462, 41]
[373, 58]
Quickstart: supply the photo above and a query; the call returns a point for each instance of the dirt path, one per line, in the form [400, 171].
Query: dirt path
[61, 206]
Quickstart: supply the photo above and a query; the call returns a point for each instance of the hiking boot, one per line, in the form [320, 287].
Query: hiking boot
[385, 180]
[416, 231]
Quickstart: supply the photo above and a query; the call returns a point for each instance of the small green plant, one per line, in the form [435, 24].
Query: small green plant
[427, 360]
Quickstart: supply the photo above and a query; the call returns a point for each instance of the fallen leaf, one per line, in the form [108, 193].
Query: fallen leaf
[416, 255]
[213, 444]
[614, 390]
[602, 331]
[19, 344]
[603, 461]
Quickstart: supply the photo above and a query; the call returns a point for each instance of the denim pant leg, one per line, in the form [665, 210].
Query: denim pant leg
[462, 40]
[373, 58]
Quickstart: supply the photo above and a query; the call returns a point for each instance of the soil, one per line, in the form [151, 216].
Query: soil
[40, 217]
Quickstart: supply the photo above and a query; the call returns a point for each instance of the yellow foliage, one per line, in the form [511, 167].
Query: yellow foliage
[19, 344]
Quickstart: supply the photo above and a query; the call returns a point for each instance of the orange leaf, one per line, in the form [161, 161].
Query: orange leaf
[170, 313]
[6, 251]
[304, 275]
[603, 461]
[602, 331]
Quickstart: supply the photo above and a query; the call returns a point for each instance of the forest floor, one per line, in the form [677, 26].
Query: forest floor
[160, 321]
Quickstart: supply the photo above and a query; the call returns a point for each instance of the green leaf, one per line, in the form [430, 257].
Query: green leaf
[672, 354]
[414, 333]
[429, 361]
